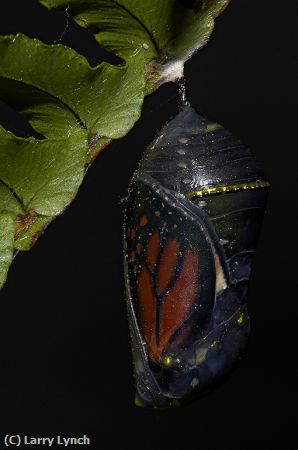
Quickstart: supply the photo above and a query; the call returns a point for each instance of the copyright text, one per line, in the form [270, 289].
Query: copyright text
[16, 440]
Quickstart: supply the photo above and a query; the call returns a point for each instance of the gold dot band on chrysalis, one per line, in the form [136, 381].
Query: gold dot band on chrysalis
[229, 188]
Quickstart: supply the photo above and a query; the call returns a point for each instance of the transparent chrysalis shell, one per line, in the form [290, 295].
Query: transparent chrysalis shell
[192, 221]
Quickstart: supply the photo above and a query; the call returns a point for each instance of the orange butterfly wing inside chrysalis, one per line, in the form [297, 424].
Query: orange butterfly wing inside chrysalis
[167, 265]
[176, 303]
[147, 306]
[147, 300]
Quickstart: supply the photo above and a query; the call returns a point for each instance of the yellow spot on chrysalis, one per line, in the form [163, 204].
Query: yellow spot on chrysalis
[213, 127]
[214, 344]
[241, 319]
[138, 401]
[167, 361]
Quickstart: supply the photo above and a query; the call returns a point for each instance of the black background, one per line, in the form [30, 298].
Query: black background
[65, 363]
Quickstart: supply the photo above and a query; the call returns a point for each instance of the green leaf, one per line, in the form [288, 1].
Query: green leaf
[6, 245]
[76, 88]
[76, 110]
[8, 202]
[163, 32]
[28, 229]
[43, 175]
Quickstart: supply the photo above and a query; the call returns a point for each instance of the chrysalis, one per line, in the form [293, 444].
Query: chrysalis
[192, 221]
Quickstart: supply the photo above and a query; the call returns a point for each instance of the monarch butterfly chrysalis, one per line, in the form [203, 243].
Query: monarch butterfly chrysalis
[192, 220]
